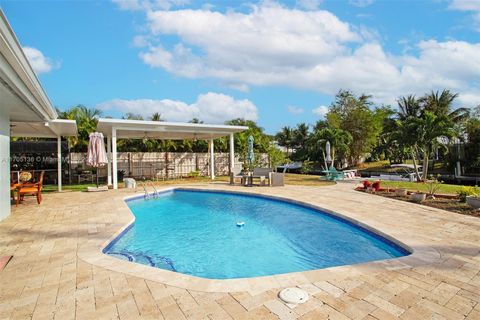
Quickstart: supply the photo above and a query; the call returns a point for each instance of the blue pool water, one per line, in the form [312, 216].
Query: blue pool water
[196, 233]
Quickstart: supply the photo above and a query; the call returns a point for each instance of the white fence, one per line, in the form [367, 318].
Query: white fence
[164, 164]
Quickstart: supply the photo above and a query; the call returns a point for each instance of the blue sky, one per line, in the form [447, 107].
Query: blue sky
[279, 63]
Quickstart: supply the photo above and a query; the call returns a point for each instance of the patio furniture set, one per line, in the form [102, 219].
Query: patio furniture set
[27, 184]
[264, 176]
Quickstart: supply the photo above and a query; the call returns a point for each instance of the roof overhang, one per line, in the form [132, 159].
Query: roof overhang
[50, 129]
[20, 91]
[139, 129]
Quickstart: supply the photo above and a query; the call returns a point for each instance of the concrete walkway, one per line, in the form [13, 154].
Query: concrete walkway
[58, 271]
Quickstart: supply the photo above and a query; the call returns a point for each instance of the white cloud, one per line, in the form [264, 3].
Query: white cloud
[272, 45]
[309, 4]
[361, 3]
[149, 4]
[38, 61]
[295, 110]
[472, 6]
[210, 108]
[320, 111]
[465, 5]
[140, 41]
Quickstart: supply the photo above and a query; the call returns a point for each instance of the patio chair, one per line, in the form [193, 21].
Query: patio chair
[237, 174]
[31, 189]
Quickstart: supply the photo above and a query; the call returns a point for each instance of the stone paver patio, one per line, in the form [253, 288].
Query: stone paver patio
[58, 271]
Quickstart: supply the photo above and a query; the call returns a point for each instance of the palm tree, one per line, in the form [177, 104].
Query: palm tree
[86, 119]
[300, 135]
[442, 103]
[429, 132]
[285, 138]
[338, 138]
[156, 117]
[409, 106]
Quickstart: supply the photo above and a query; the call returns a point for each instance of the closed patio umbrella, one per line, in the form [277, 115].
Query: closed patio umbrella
[96, 155]
[328, 157]
[250, 155]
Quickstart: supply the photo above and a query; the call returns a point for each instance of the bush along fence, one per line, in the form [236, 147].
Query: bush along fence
[161, 165]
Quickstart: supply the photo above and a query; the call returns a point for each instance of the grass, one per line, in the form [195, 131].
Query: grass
[66, 187]
[305, 180]
[420, 186]
[291, 179]
[384, 166]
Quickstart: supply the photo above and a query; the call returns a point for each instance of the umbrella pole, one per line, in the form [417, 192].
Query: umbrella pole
[97, 178]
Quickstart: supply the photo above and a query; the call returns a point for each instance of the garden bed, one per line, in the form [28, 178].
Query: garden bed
[448, 203]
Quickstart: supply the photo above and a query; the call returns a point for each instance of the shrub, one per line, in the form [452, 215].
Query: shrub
[467, 191]
[433, 185]
[306, 167]
[194, 174]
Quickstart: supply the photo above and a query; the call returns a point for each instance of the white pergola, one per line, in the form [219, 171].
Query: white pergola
[55, 129]
[115, 129]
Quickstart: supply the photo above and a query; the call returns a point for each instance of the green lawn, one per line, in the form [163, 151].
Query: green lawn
[384, 166]
[73, 187]
[292, 179]
[420, 186]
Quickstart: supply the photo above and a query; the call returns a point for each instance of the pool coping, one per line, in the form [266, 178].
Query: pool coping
[94, 254]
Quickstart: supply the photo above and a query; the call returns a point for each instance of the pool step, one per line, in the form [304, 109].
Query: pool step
[156, 261]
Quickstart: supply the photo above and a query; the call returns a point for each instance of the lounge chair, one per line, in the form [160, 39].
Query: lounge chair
[333, 175]
[31, 189]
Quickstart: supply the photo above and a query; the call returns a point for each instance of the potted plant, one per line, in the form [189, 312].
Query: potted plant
[401, 192]
[433, 185]
[466, 191]
[473, 198]
[418, 197]
[474, 202]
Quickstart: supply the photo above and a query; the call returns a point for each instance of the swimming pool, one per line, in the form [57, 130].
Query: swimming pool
[198, 233]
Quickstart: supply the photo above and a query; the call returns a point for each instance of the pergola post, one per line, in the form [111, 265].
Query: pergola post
[109, 160]
[212, 160]
[59, 163]
[114, 158]
[232, 153]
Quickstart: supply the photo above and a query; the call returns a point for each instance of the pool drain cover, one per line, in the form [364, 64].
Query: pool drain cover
[293, 295]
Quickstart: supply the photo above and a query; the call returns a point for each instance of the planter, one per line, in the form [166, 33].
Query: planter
[418, 197]
[401, 192]
[473, 202]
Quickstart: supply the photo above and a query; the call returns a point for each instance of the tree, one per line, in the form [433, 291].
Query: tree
[299, 141]
[86, 119]
[353, 115]
[427, 123]
[285, 138]
[441, 104]
[261, 140]
[339, 141]
[430, 132]
[156, 117]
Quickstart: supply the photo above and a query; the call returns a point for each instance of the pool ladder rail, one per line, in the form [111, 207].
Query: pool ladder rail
[148, 195]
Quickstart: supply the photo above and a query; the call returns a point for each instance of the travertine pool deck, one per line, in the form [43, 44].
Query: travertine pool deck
[59, 272]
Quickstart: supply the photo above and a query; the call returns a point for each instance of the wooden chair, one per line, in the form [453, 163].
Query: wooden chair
[31, 189]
